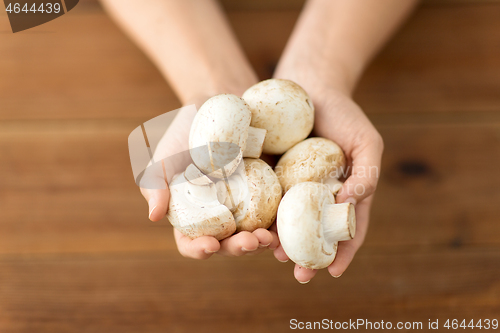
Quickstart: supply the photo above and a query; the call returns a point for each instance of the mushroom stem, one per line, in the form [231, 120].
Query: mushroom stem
[255, 142]
[339, 222]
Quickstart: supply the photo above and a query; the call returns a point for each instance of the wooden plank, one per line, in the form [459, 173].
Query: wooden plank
[445, 59]
[263, 5]
[277, 5]
[161, 292]
[78, 66]
[67, 187]
[438, 185]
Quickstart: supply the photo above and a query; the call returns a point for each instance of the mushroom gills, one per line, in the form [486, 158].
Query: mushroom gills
[194, 209]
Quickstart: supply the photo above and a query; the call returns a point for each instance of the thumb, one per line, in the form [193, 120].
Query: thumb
[157, 202]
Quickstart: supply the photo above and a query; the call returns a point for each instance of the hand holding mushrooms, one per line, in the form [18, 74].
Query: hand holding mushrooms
[192, 44]
[211, 198]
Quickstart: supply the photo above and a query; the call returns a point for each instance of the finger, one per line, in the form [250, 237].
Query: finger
[198, 248]
[239, 244]
[256, 252]
[280, 254]
[365, 172]
[303, 275]
[157, 202]
[274, 227]
[276, 241]
[264, 236]
[348, 249]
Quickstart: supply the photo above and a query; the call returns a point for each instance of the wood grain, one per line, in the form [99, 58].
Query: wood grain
[78, 66]
[446, 58]
[78, 254]
[71, 190]
[159, 292]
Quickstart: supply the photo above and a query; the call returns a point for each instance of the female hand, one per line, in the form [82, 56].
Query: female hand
[341, 120]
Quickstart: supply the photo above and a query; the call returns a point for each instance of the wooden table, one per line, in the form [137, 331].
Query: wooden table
[78, 254]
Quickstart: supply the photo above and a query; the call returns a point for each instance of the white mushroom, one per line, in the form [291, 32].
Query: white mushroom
[284, 109]
[254, 199]
[315, 159]
[310, 224]
[221, 135]
[246, 200]
[194, 209]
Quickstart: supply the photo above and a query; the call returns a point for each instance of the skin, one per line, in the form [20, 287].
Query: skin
[191, 43]
[332, 43]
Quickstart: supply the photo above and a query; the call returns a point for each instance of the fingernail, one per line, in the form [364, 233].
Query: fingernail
[304, 282]
[245, 250]
[283, 260]
[263, 246]
[337, 276]
[209, 252]
[151, 212]
[351, 200]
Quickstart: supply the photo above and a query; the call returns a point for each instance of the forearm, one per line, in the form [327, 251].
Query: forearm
[333, 41]
[191, 43]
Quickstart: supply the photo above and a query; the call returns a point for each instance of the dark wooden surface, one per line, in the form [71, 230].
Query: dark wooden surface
[78, 254]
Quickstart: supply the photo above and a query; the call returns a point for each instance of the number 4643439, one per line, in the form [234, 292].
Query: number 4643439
[480, 324]
[46, 8]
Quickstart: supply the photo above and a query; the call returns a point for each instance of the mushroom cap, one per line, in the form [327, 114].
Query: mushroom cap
[314, 159]
[300, 225]
[284, 109]
[220, 125]
[259, 209]
[199, 216]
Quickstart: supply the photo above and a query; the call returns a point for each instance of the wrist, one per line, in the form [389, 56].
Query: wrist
[317, 76]
[221, 86]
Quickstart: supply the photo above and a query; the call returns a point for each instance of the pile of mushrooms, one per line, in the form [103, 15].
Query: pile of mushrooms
[228, 189]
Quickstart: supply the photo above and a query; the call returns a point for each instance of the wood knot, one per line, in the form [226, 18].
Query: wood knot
[414, 169]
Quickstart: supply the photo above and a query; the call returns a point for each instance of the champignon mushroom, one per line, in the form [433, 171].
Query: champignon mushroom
[194, 209]
[221, 135]
[310, 224]
[253, 199]
[315, 159]
[284, 109]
